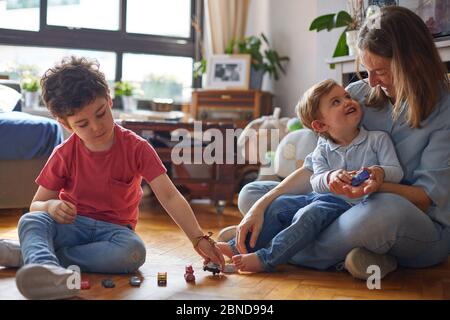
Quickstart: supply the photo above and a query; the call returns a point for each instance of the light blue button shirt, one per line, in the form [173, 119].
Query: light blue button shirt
[424, 153]
[369, 148]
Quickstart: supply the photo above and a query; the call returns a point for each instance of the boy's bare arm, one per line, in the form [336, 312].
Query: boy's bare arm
[180, 211]
[42, 199]
[47, 201]
[176, 205]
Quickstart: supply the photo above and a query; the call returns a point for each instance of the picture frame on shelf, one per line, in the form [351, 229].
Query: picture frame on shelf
[228, 72]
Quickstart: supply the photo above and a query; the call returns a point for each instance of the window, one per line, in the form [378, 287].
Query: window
[19, 15]
[35, 60]
[92, 14]
[149, 42]
[162, 78]
[166, 18]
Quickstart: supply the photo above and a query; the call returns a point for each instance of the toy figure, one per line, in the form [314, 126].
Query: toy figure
[189, 275]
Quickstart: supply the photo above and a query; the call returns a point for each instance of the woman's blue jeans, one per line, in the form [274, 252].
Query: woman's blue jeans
[291, 222]
[384, 223]
[92, 245]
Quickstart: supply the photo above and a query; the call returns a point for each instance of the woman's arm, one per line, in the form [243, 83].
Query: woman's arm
[296, 183]
[415, 195]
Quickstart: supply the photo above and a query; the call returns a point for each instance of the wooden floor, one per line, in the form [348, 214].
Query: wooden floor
[169, 250]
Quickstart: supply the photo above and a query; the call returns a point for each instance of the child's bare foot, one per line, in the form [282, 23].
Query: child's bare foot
[248, 262]
[225, 249]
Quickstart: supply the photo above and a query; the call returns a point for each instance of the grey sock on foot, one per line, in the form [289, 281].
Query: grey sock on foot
[359, 259]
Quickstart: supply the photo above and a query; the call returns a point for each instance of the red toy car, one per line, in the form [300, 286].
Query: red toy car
[189, 275]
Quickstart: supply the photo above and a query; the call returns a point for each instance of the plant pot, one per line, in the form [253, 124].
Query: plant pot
[31, 99]
[129, 103]
[256, 78]
[352, 38]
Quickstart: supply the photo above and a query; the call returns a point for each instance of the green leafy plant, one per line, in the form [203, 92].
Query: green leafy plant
[30, 84]
[350, 20]
[124, 88]
[267, 60]
[333, 21]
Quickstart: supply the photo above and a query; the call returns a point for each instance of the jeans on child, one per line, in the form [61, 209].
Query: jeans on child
[92, 245]
[291, 222]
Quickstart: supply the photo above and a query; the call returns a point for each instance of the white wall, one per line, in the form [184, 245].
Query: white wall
[286, 23]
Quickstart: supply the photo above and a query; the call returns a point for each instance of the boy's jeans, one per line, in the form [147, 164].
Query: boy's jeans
[92, 245]
[292, 222]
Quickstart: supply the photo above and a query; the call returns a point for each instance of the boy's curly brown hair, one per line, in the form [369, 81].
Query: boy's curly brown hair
[71, 85]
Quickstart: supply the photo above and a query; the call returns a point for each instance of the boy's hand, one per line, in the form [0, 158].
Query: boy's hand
[339, 178]
[210, 252]
[61, 211]
[370, 185]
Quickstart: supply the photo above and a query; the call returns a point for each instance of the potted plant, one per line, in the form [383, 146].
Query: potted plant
[262, 61]
[352, 21]
[30, 87]
[125, 90]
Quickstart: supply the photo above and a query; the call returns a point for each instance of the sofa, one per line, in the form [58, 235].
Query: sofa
[26, 142]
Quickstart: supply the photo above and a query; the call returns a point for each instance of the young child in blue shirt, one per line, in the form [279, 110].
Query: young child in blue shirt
[292, 222]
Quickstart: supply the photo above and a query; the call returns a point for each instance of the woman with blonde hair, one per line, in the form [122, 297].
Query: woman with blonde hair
[406, 95]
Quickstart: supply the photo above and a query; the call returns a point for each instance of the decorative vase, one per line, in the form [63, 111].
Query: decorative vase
[31, 99]
[352, 38]
[256, 78]
[129, 103]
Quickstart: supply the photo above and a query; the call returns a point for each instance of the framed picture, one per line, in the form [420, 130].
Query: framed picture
[228, 71]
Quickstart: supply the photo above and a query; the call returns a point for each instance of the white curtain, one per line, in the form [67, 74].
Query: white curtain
[226, 19]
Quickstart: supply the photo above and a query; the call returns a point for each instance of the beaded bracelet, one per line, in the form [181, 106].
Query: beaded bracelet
[196, 240]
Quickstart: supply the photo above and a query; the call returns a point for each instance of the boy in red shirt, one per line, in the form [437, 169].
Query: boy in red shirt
[86, 207]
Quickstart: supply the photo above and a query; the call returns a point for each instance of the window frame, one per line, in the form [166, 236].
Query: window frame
[118, 42]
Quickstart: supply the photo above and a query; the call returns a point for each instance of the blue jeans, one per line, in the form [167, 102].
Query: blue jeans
[384, 223]
[291, 222]
[92, 245]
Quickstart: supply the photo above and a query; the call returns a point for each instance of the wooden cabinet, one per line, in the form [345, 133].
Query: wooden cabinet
[236, 106]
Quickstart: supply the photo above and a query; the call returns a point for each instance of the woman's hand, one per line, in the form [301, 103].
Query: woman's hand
[61, 211]
[210, 252]
[252, 222]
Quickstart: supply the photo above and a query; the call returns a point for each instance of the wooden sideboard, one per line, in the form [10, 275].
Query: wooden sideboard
[236, 106]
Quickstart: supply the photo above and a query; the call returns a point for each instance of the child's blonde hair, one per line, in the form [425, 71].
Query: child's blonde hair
[308, 106]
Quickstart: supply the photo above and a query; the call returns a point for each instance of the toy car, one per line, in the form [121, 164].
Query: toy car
[360, 176]
[85, 284]
[135, 281]
[108, 283]
[211, 267]
[162, 279]
[189, 275]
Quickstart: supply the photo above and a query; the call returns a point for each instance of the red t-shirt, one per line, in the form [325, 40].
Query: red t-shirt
[103, 185]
